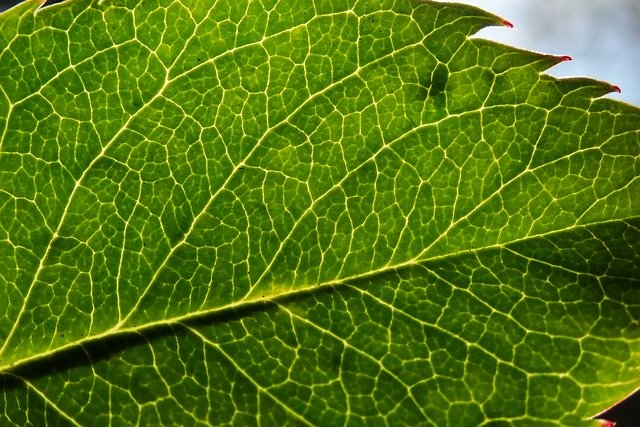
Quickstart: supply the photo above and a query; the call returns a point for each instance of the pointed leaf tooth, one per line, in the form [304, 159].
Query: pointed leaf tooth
[552, 60]
[586, 87]
[500, 58]
[468, 17]
[451, 24]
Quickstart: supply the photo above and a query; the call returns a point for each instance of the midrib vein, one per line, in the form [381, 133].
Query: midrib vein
[270, 299]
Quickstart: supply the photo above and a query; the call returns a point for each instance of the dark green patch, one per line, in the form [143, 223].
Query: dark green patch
[439, 79]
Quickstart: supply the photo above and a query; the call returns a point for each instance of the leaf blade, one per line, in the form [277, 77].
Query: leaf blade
[192, 179]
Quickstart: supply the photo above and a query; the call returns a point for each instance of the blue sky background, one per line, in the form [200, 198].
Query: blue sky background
[602, 36]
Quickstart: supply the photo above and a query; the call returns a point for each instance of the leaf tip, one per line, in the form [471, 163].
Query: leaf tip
[616, 88]
[507, 23]
[565, 58]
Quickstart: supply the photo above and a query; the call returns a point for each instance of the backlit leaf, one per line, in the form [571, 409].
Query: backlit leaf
[315, 212]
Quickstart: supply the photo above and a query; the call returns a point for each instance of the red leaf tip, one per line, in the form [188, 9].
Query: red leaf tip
[507, 23]
[565, 58]
[608, 424]
[615, 89]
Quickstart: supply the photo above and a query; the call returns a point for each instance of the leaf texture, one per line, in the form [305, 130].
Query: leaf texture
[315, 212]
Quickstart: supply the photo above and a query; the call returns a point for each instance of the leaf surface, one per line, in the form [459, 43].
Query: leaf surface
[318, 212]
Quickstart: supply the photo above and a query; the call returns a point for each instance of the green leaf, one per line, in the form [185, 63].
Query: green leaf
[316, 212]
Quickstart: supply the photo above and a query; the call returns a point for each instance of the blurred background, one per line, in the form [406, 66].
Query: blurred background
[602, 36]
